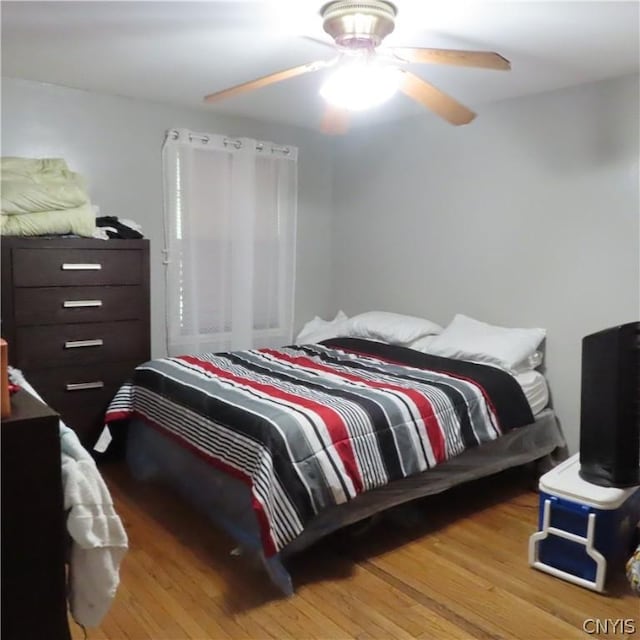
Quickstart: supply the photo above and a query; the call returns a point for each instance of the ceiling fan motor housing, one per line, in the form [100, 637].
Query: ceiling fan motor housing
[358, 25]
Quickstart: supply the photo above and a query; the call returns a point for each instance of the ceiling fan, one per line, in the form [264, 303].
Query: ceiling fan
[366, 74]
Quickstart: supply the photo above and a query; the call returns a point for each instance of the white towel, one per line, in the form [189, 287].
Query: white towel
[99, 538]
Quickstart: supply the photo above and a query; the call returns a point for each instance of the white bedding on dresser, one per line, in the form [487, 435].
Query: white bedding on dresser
[535, 388]
[99, 540]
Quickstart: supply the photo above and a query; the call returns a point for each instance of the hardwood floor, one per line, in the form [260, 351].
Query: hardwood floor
[449, 567]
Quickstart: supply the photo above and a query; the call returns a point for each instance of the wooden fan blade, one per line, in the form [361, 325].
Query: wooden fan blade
[434, 99]
[335, 121]
[272, 78]
[483, 59]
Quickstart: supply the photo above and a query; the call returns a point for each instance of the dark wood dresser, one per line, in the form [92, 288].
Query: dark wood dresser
[34, 603]
[75, 313]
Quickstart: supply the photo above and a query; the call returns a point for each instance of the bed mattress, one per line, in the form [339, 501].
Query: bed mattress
[535, 388]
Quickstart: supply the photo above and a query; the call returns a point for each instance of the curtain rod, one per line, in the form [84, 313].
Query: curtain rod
[230, 142]
[259, 146]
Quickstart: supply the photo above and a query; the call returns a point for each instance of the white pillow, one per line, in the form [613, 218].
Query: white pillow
[527, 365]
[318, 329]
[469, 339]
[422, 344]
[393, 328]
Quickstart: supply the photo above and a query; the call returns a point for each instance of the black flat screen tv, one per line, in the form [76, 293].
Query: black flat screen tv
[610, 407]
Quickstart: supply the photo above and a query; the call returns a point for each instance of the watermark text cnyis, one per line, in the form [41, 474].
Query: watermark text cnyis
[610, 626]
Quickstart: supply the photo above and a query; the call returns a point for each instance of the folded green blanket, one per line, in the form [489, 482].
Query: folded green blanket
[29, 197]
[79, 221]
[32, 166]
[30, 185]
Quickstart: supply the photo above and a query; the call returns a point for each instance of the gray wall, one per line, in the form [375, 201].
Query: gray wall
[529, 216]
[115, 143]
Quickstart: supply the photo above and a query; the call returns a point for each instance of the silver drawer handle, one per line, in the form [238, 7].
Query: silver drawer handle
[81, 266]
[82, 386]
[74, 304]
[72, 344]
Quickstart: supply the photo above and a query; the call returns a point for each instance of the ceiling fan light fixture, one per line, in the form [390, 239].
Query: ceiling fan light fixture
[364, 76]
[358, 24]
[360, 85]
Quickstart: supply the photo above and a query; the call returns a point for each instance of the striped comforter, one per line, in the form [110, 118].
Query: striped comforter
[307, 427]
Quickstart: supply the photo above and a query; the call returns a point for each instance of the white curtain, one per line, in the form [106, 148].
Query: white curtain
[230, 227]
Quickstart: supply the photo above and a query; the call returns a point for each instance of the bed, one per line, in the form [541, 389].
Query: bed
[283, 446]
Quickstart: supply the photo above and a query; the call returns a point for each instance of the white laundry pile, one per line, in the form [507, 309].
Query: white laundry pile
[99, 540]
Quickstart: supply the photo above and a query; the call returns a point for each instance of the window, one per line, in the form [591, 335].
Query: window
[230, 219]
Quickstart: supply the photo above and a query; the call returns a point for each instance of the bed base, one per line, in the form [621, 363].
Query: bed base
[227, 501]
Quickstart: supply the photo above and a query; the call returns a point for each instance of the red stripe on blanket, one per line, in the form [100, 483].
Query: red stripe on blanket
[333, 421]
[420, 401]
[121, 414]
[458, 376]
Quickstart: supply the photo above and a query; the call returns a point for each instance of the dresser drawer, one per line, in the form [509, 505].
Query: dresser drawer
[82, 394]
[58, 305]
[78, 382]
[42, 347]
[87, 418]
[68, 267]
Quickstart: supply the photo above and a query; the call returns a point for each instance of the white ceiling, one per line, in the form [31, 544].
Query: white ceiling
[176, 52]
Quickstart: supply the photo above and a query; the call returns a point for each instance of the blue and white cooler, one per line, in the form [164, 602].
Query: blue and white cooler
[583, 529]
